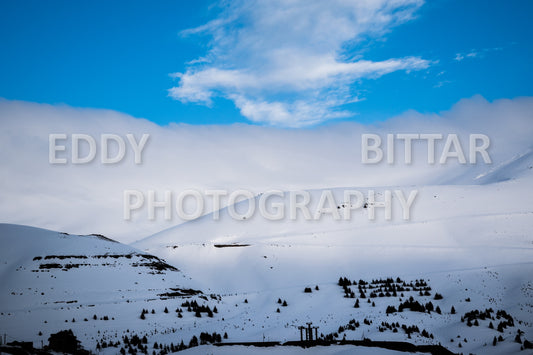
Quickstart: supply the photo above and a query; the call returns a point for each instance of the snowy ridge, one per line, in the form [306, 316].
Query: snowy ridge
[514, 168]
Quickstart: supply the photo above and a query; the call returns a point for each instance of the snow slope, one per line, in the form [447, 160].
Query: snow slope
[53, 281]
[472, 241]
[451, 227]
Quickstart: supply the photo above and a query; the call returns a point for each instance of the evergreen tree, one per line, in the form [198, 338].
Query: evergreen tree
[193, 342]
[390, 309]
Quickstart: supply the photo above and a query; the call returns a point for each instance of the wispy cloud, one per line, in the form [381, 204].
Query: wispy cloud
[475, 53]
[286, 63]
[441, 83]
[459, 57]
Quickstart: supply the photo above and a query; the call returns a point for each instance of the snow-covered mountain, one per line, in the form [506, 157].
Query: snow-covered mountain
[91, 284]
[472, 241]
[489, 221]
[260, 280]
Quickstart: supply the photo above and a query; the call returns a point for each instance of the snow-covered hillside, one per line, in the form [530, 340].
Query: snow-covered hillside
[97, 287]
[450, 227]
[471, 241]
[262, 280]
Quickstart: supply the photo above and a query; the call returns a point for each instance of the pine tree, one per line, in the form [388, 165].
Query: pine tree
[193, 342]
[452, 311]
[500, 327]
[166, 310]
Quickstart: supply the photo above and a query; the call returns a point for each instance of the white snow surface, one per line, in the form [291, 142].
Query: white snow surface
[471, 243]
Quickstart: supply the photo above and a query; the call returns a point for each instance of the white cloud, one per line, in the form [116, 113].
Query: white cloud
[88, 198]
[277, 59]
[476, 53]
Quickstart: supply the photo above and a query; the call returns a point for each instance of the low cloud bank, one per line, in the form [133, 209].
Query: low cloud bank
[88, 198]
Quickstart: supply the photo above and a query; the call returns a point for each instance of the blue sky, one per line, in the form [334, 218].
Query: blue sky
[265, 64]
